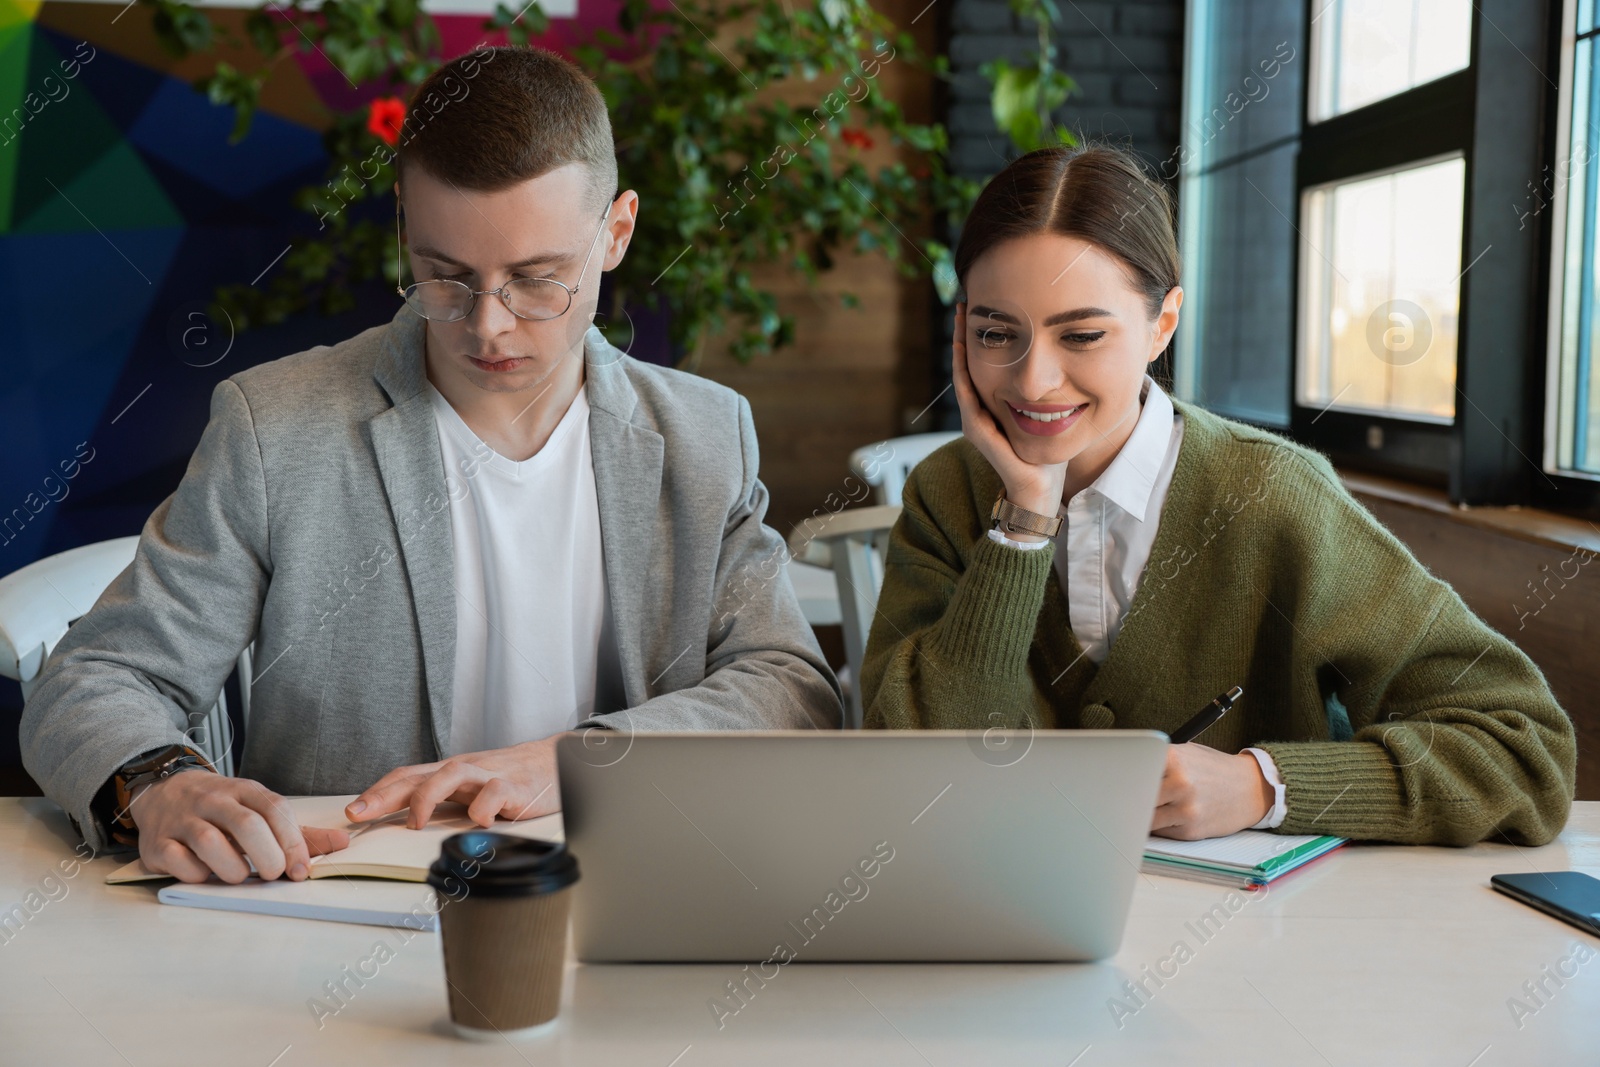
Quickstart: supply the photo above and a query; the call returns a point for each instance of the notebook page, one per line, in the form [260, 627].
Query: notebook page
[389, 842]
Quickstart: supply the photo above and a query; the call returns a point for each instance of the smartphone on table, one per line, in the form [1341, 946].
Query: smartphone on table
[1570, 896]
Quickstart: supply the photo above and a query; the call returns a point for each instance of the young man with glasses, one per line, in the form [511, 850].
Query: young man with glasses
[452, 538]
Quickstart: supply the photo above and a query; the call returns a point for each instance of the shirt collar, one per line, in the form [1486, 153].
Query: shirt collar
[1127, 482]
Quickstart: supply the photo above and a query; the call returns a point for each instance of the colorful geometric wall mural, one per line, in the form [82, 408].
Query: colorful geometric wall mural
[122, 208]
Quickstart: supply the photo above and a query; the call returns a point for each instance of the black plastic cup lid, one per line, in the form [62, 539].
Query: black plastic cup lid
[499, 865]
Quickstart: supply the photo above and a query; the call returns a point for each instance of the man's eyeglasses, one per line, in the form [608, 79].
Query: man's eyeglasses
[538, 299]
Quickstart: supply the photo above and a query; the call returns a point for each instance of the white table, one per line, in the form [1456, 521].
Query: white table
[1374, 955]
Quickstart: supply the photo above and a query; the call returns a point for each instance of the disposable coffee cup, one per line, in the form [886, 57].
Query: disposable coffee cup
[503, 912]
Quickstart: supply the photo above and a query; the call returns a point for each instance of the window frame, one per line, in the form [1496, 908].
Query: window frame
[1568, 41]
[1497, 450]
[1514, 101]
[1424, 122]
[1309, 254]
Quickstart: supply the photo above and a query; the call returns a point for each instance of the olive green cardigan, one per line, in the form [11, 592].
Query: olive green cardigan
[1392, 711]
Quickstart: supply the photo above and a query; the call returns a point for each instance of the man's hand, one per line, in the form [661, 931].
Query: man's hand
[1206, 793]
[197, 823]
[512, 783]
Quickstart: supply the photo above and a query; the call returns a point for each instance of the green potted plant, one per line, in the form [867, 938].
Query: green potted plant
[1024, 97]
[731, 173]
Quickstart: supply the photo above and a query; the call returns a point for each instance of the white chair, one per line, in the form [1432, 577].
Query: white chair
[817, 590]
[39, 602]
[840, 598]
[852, 544]
[887, 464]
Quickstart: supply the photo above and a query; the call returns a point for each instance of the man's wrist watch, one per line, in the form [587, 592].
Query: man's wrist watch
[1009, 519]
[147, 769]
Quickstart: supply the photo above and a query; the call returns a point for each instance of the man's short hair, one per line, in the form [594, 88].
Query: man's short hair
[497, 117]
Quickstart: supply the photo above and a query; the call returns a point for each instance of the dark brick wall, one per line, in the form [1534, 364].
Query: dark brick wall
[1126, 56]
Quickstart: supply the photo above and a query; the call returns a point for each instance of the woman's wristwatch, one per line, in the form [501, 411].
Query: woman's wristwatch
[1009, 519]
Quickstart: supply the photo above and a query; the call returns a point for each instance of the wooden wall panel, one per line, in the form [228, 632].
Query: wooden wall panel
[843, 384]
[854, 375]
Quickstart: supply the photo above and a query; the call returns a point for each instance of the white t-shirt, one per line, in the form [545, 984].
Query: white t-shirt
[533, 626]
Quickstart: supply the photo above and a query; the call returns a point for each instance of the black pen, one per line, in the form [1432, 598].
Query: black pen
[1208, 715]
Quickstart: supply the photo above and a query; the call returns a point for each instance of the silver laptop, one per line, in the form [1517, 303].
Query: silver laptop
[883, 845]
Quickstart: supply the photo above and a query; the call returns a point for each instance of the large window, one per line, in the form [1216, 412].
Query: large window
[1380, 258]
[1381, 180]
[1364, 51]
[1378, 274]
[1571, 186]
[1371, 271]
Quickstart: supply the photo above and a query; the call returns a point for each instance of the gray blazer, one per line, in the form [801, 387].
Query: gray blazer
[314, 519]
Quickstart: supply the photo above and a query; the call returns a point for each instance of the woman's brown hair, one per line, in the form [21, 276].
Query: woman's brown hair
[1099, 194]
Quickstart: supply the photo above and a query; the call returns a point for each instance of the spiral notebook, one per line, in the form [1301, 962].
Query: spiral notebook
[1246, 860]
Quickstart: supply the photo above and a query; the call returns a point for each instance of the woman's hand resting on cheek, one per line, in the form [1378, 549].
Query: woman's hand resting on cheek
[1206, 793]
[1033, 487]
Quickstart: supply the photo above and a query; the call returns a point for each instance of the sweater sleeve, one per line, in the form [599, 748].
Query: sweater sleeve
[1453, 733]
[950, 641]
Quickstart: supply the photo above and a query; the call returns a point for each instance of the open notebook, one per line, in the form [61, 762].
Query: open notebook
[1247, 859]
[364, 883]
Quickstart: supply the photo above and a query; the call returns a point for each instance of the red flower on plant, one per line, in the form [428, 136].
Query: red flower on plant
[384, 118]
[856, 138]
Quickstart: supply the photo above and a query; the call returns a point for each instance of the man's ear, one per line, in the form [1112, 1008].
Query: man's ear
[624, 217]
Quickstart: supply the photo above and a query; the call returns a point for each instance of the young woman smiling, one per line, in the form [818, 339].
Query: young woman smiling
[1193, 554]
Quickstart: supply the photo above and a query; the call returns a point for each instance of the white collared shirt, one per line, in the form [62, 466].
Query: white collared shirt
[1109, 529]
